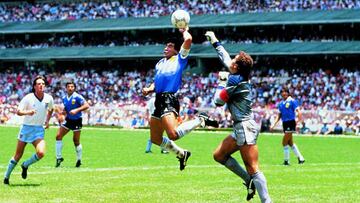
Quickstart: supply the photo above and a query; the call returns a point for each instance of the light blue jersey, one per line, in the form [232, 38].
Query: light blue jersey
[168, 73]
[287, 109]
[73, 102]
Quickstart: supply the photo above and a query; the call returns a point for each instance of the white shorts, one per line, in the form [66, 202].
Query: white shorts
[246, 132]
[30, 133]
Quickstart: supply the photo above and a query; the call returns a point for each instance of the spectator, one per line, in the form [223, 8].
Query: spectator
[304, 129]
[338, 130]
[348, 128]
[324, 130]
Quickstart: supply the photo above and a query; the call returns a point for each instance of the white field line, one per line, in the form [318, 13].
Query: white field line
[52, 170]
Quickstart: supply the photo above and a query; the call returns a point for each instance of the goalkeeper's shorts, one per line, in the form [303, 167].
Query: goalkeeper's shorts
[166, 103]
[245, 132]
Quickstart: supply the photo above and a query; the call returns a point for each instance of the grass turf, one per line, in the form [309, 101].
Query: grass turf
[116, 169]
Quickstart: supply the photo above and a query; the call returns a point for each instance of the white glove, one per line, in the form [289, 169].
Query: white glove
[223, 78]
[210, 35]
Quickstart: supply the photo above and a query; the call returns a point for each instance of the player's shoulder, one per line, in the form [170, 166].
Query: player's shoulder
[29, 95]
[78, 96]
[48, 96]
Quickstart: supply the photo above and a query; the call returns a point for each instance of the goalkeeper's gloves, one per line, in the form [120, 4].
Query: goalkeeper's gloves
[223, 78]
[210, 35]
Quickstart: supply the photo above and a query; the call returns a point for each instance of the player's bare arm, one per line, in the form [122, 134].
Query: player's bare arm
[25, 112]
[187, 38]
[299, 115]
[48, 116]
[276, 121]
[148, 90]
[84, 107]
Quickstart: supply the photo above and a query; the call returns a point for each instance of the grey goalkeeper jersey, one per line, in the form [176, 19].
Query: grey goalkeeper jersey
[239, 90]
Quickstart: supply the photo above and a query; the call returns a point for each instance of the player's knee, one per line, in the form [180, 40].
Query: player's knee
[76, 141]
[173, 135]
[58, 137]
[17, 157]
[40, 154]
[156, 141]
[219, 158]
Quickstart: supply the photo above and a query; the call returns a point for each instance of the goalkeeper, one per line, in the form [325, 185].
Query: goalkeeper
[235, 92]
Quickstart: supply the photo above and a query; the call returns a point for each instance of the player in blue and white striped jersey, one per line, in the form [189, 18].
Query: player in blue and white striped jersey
[168, 74]
[74, 104]
[288, 111]
[236, 93]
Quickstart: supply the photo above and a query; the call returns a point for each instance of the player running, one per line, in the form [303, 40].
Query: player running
[74, 104]
[168, 73]
[236, 94]
[288, 110]
[37, 107]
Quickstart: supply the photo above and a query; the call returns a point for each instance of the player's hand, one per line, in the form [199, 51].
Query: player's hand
[31, 112]
[146, 91]
[271, 128]
[210, 36]
[223, 78]
[182, 30]
[73, 112]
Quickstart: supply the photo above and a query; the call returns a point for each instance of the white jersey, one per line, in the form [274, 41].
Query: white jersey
[31, 102]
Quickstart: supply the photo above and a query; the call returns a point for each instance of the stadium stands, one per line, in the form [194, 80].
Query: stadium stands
[44, 11]
[115, 95]
[299, 44]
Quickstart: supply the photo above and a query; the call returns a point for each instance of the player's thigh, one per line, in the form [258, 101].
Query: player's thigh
[19, 150]
[170, 123]
[156, 131]
[40, 146]
[62, 132]
[227, 147]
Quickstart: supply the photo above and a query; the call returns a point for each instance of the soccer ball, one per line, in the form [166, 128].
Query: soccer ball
[180, 19]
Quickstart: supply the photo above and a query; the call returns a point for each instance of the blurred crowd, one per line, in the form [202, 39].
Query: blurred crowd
[264, 36]
[116, 97]
[44, 11]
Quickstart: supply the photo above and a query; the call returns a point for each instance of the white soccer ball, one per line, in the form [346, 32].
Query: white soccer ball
[180, 19]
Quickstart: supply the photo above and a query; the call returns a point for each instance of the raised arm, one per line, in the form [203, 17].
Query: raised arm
[187, 38]
[222, 53]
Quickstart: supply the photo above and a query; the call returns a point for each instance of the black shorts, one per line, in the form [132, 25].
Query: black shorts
[166, 103]
[289, 126]
[74, 125]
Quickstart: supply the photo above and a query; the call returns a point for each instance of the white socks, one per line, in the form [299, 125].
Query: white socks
[58, 148]
[78, 150]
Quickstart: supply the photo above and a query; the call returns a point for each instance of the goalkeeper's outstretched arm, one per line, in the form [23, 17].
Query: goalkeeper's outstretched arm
[222, 53]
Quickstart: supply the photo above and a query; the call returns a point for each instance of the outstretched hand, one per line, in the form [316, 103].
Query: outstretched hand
[182, 30]
[210, 36]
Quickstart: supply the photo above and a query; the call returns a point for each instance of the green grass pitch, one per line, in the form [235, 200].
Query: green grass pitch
[116, 169]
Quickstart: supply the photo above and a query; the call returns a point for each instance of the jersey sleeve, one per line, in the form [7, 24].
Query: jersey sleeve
[80, 99]
[221, 97]
[23, 103]
[223, 54]
[184, 53]
[295, 103]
